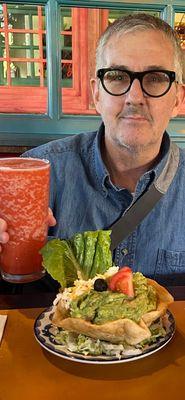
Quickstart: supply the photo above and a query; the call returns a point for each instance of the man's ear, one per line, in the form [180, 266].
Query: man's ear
[180, 96]
[94, 83]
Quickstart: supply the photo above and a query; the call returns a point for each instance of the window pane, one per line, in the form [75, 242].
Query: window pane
[25, 16]
[66, 48]
[180, 29]
[3, 75]
[23, 58]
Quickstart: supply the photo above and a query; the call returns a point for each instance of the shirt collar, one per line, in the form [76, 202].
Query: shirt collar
[162, 159]
[165, 147]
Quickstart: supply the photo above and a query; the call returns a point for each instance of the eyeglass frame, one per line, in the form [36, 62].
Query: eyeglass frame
[136, 75]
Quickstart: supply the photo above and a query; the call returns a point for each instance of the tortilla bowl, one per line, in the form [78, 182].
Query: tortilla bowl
[119, 330]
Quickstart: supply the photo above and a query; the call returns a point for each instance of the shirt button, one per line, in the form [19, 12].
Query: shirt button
[124, 252]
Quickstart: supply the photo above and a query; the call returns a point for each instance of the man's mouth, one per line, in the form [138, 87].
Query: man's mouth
[136, 118]
[135, 114]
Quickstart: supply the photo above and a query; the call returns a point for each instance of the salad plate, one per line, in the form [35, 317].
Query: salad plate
[46, 334]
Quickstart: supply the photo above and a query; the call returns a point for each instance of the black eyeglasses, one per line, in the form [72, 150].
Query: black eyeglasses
[155, 83]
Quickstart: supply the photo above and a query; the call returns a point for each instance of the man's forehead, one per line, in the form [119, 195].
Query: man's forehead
[138, 32]
[137, 45]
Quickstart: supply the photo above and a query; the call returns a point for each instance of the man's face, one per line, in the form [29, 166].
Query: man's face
[135, 120]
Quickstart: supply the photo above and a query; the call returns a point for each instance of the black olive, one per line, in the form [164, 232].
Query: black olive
[100, 285]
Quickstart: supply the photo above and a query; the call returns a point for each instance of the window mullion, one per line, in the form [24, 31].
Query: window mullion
[7, 53]
[53, 58]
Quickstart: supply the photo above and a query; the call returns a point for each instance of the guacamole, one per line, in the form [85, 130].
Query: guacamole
[102, 307]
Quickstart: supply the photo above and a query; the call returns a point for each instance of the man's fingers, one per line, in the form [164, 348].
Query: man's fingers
[4, 236]
[3, 225]
[3, 231]
[51, 219]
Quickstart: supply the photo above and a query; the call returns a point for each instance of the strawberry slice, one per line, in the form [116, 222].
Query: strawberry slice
[122, 281]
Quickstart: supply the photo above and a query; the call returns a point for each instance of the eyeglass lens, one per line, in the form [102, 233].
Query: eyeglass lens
[153, 83]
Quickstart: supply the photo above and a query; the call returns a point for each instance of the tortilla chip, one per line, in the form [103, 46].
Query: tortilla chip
[119, 330]
[114, 332]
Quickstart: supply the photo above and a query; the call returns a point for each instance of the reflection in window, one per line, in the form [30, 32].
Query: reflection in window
[66, 47]
[180, 27]
[22, 45]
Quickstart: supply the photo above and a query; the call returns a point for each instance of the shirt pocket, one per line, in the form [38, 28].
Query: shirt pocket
[170, 267]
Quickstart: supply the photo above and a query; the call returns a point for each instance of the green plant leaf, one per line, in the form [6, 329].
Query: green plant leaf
[60, 262]
[88, 253]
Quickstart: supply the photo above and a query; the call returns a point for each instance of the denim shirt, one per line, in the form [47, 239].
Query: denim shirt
[83, 198]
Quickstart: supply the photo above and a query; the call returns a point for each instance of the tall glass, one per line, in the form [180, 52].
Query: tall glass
[24, 197]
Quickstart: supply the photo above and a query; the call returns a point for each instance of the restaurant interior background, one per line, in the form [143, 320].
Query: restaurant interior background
[47, 56]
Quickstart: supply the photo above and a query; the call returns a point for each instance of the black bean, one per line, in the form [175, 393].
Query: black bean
[100, 285]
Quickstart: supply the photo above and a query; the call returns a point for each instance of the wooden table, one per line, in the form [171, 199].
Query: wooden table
[27, 371]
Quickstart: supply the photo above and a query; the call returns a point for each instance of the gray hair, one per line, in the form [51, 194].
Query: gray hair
[142, 21]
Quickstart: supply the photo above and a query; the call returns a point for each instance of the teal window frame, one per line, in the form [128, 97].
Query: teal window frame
[34, 129]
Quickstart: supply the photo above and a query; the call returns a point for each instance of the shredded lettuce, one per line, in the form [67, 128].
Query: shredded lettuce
[86, 254]
[85, 345]
[157, 331]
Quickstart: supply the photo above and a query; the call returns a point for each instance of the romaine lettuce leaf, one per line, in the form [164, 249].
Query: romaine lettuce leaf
[59, 261]
[97, 257]
[89, 240]
[88, 253]
[102, 257]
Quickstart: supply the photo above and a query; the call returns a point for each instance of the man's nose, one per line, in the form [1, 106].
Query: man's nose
[135, 94]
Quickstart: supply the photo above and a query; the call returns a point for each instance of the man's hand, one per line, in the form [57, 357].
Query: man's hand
[4, 236]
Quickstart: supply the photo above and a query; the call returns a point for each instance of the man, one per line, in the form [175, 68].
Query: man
[95, 177]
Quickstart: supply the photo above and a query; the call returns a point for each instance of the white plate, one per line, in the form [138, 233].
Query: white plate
[43, 330]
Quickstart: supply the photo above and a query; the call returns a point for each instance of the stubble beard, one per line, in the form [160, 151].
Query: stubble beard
[129, 147]
[132, 143]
